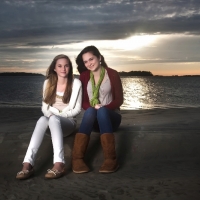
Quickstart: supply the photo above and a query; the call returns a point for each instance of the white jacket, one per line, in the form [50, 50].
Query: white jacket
[74, 106]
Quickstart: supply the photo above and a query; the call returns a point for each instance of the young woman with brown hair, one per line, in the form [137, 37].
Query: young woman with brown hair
[102, 98]
[62, 97]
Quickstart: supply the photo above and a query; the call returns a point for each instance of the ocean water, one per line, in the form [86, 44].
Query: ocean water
[161, 92]
[139, 92]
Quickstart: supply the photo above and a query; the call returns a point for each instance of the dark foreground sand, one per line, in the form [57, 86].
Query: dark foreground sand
[158, 151]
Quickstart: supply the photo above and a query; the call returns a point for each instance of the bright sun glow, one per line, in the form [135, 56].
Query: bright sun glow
[127, 44]
[131, 43]
[134, 42]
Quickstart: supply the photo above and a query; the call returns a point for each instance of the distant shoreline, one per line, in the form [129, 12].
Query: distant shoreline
[122, 74]
[19, 74]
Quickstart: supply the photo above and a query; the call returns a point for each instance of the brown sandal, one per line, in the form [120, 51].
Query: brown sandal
[54, 173]
[24, 174]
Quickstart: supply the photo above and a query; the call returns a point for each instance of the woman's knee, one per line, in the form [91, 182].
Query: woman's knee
[90, 112]
[42, 120]
[54, 118]
[102, 112]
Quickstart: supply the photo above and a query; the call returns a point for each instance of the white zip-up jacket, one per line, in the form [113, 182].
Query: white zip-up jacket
[74, 106]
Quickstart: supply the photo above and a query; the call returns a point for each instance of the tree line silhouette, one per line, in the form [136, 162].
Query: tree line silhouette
[19, 74]
[136, 73]
[131, 73]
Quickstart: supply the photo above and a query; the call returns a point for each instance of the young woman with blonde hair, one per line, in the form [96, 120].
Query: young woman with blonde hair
[62, 97]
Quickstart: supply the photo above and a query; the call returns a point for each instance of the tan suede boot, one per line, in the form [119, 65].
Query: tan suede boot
[80, 145]
[110, 162]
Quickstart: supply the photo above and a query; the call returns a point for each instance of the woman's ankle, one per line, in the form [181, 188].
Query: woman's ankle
[58, 166]
[27, 166]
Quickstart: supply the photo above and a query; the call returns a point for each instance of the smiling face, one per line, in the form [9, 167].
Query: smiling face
[91, 61]
[62, 67]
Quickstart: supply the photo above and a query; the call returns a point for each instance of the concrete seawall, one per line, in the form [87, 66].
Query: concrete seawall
[158, 152]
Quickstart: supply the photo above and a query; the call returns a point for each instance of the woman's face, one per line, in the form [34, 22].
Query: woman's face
[91, 62]
[62, 67]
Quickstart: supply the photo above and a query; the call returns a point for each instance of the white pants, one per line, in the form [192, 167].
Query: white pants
[57, 125]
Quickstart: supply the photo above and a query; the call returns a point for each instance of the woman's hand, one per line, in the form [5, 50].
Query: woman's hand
[97, 106]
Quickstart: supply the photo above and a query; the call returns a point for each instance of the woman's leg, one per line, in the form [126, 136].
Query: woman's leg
[57, 126]
[36, 140]
[88, 121]
[108, 121]
[81, 141]
[68, 126]
[57, 138]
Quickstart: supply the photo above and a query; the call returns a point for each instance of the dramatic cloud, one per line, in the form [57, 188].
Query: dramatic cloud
[38, 30]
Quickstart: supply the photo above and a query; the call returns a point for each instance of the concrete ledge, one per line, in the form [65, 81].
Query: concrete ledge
[158, 151]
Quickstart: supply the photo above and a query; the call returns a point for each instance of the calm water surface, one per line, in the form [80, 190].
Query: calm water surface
[139, 92]
[161, 92]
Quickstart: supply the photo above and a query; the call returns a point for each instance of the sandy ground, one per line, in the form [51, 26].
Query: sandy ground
[158, 151]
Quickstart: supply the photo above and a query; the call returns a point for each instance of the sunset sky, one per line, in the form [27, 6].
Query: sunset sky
[161, 36]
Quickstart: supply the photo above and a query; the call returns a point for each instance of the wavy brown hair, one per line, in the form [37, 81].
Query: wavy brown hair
[79, 60]
[50, 90]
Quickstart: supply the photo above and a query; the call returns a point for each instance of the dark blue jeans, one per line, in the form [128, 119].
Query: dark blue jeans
[103, 120]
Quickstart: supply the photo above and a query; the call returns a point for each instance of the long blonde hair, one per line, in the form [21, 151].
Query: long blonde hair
[50, 90]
